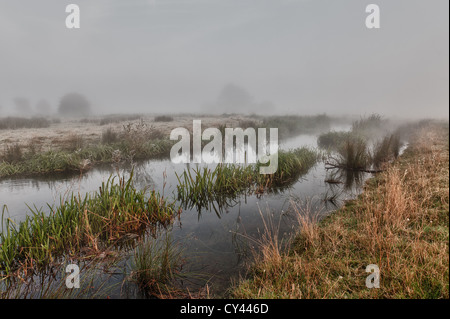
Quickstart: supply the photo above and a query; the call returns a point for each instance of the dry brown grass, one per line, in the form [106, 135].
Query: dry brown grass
[400, 223]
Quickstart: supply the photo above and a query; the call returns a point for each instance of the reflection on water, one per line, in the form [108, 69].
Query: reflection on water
[216, 241]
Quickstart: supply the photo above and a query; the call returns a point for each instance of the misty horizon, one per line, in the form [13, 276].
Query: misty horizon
[195, 56]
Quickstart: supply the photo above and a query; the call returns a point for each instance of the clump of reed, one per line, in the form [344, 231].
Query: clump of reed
[137, 139]
[374, 121]
[291, 165]
[73, 142]
[13, 153]
[94, 221]
[202, 186]
[55, 161]
[163, 118]
[109, 136]
[369, 127]
[156, 264]
[386, 149]
[332, 140]
[352, 155]
[14, 123]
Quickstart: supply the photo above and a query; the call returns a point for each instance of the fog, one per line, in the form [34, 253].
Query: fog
[261, 56]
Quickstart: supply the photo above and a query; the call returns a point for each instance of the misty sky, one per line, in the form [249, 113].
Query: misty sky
[160, 56]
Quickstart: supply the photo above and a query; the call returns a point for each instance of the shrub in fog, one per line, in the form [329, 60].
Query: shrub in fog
[74, 105]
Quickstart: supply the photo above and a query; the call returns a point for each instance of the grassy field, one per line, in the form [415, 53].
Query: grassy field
[400, 223]
[30, 147]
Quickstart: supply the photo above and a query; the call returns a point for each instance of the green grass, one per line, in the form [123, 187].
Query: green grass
[82, 159]
[95, 220]
[201, 187]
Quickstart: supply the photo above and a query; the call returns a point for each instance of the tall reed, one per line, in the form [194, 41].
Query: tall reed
[201, 186]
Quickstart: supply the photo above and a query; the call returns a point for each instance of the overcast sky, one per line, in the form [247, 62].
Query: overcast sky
[164, 56]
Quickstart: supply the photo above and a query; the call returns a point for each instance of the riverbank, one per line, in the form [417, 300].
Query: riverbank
[78, 145]
[399, 223]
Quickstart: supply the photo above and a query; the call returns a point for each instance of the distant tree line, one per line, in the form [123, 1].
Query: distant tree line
[70, 105]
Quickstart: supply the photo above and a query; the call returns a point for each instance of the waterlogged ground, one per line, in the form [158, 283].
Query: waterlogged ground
[216, 242]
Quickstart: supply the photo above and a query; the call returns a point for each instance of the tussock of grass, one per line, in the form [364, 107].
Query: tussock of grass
[81, 159]
[386, 149]
[291, 165]
[13, 153]
[332, 140]
[202, 186]
[94, 221]
[109, 136]
[353, 155]
[400, 223]
[156, 264]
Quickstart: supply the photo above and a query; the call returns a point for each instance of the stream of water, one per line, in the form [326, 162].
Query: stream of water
[215, 243]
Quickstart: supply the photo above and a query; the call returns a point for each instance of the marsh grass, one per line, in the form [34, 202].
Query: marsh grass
[292, 165]
[136, 138]
[13, 153]
[214, 188]
[359, 149]
[400, 222]
[137, 141]
[156, 264]
[202, 187]
[73, 142]
[95, 221]
[109, 136]
[353, 154]
[385, 150]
